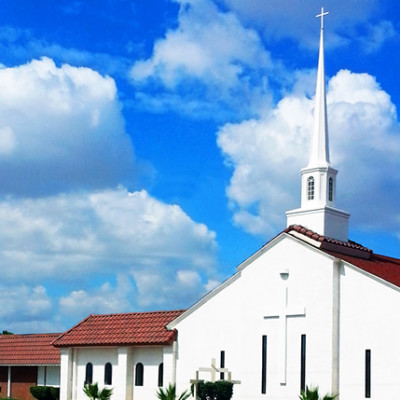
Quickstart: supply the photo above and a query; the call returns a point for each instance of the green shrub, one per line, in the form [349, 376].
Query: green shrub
[45, 392]
[219, 390]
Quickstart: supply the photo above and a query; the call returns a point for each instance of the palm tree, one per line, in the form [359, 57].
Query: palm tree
[92, 391]
[313, 394]
[170, 393]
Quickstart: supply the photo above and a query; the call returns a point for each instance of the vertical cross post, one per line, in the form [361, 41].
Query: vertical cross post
[322, 17]
[283, 313]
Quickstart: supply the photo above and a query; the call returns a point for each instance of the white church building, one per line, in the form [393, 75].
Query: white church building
[309, 308]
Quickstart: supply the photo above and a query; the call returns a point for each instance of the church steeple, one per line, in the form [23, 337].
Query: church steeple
[319, 155]
[318, 179]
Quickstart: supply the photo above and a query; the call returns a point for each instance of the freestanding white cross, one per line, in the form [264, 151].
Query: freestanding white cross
[322, 16]
[283, 314]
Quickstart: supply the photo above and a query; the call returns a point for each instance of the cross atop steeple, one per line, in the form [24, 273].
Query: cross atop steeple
[322, 17]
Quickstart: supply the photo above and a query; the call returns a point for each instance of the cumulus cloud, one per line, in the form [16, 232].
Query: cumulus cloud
[24, 303]
[61, 128]
[66, 226]
[267, 153]
[81, 243]
[102, 300]
[209, 56]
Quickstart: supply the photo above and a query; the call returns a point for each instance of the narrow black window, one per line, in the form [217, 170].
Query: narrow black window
[108, 374]
[330, 189]
[89, 374]
[368, 374]
[161, 375]
[139, 374]
[303, 364]
[264, 365]
[222, 364]
[310, 188]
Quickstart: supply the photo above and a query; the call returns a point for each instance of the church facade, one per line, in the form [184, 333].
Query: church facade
[310, 308]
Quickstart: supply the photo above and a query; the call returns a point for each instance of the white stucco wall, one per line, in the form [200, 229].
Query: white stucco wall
[123, 360]
[151, 359]
[369, 319]
[233, 321]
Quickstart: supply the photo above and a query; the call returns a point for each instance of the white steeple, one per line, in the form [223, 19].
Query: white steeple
[318, 179]
[319, 154]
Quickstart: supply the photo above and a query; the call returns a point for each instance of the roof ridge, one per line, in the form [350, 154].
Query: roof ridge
[135, 313]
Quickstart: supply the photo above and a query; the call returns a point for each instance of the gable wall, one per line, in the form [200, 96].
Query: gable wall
[369, 319]
[233, 321]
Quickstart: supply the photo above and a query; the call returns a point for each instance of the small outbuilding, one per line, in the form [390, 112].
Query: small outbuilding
[25, 361]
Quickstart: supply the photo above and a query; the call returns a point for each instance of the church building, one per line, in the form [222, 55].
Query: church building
[311, 307]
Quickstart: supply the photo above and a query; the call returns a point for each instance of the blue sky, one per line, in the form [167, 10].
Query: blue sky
[147, 148]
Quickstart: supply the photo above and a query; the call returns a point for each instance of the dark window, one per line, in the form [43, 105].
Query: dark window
[108, 374]
[89, 374]
[330, 189]
[264, 365]
[368, 374]
[161, 375]
[222, 364]
[139, 374]
[310, 188]
[303, 364]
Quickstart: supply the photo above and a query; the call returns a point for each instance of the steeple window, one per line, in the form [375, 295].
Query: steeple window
[330, 189]
[310, 188]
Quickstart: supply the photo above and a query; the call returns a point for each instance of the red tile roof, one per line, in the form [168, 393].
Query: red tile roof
[147, 328]
[386, 268]
[29, 349]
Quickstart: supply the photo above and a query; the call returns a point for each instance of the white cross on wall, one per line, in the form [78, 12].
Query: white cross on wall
[322, 16]
[283, 314]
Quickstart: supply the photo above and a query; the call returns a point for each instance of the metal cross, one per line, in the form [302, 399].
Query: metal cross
[322, 16]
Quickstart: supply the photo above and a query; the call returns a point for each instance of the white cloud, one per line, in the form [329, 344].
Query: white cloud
[267, 154]
[61, 128]
[210, 56]
[71, 235]
[377, 35]
[105, 299]
[23, 303]
[79, 244]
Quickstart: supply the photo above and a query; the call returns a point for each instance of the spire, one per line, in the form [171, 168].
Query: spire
[318, 180]
[319, 155]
